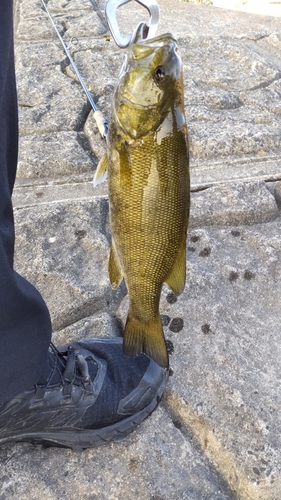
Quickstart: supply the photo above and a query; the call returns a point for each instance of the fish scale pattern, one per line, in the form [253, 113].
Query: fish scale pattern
[150, 224]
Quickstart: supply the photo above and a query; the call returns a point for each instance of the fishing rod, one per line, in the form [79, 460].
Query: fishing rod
[100, 120]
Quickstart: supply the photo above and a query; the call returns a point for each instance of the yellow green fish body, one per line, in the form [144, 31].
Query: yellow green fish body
[148, 181]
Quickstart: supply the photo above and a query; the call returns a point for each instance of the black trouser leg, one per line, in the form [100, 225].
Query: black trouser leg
[25, 327]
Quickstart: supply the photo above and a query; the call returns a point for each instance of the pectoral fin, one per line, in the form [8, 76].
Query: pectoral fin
[114, 268]
[176, 278]
[101, 172]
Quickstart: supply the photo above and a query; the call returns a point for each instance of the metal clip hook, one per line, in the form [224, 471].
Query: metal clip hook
[147, 30]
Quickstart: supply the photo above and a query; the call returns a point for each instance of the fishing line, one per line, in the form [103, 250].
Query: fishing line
[143, 31]
[100, 120]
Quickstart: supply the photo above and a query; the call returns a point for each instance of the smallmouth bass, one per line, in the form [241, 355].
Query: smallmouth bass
[148, 184]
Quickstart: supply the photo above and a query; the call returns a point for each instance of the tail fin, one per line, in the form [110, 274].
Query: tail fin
[145, 337]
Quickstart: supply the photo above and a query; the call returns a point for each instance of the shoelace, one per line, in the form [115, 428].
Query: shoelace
[72, 368]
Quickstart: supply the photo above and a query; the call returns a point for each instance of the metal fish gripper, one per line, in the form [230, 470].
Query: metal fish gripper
[143, 30]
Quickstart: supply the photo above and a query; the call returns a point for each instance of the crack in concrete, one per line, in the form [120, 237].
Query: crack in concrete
[188, 435]
[99, 14]
[27, 105]
[86, 107]
[263, 85]
[263, 52]
[82, 117]
[84, 142]
[261, 37]
[223, 461]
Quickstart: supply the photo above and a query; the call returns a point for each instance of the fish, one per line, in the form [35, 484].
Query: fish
[147, 165]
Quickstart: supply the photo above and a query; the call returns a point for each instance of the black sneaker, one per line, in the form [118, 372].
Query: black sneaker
[90, 393]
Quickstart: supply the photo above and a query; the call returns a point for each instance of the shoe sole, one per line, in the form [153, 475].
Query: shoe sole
[80, 439]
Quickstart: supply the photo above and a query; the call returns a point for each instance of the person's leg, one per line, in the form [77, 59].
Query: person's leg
[25, 327]
[78, 396]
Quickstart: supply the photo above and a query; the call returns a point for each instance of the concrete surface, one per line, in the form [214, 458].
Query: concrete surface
[216, 434]
[263, 7]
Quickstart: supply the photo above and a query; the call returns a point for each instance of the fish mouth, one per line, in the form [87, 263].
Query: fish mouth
[164, 37]
[143, 49]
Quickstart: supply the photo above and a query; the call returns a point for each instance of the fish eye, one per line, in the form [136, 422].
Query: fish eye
[159, 74]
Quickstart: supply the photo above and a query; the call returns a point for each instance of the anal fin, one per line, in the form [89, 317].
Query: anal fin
[176, 277]
[114, 268]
